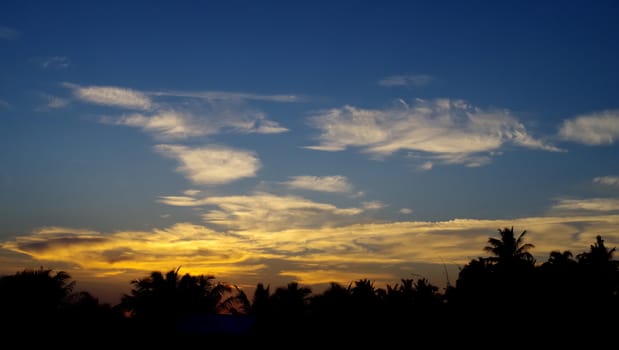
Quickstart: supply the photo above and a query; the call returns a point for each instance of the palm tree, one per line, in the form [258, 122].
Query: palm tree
[158, 297]
[508, 250]
[34, 300]
[599, 271]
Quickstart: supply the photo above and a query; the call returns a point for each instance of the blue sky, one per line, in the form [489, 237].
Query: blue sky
[315, 141]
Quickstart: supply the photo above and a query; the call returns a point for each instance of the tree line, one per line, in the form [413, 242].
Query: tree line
[501, 294]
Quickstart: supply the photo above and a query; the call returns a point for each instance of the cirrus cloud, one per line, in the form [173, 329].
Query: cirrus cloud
[111, 96]
[448, 131]
[265, 211]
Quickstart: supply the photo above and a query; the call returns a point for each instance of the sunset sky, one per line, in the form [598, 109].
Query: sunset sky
[310, 141]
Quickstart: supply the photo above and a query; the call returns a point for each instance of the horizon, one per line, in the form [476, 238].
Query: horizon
[313, 142]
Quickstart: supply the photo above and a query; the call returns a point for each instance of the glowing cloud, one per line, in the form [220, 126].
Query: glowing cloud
[406, 211]
[111, 96]
[601, 128]
[212, 164]
[336, 183]
[449, 131]
[335, 254]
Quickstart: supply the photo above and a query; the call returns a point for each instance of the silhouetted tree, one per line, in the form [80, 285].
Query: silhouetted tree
[600, 272]
[508, 250]
[158, 301]
[34, 299]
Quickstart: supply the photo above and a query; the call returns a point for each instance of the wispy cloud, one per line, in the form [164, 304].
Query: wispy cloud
[187, 114]
[447, 131]
[587, 205]
[111, 96]
[212, 164]
[406, 211]
[265, 211]
[4, 104]
[7, 33]
[175, 124]
[215, 96]
[612, 181]
[600, 128]
[417, 80]
[52, 62]
[335, 183]
[373, 205]
[52, 102]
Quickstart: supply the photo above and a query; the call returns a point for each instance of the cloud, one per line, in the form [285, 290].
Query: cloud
[56, 102]
[373, 205]
[262, 210]
[4, 104]
[7, 33]
[52, 102]
[600, 128]
[385, 251]
[176, 115]
[52, 62]
[335, 183]
[406, 80]
[589, 204]
[176, 124]
[195, 247]
[215, 96]
[406, 211]
[612, 181]
[211, 165]
[111, 96]
[448, 131]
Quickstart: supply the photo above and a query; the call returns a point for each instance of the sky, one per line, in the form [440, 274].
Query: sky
[310, 141]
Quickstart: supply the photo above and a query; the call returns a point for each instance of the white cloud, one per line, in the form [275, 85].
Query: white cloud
[336, 183]
[450, 131]
[7, 33]
[111, 96]
[600, 128]
[612, 181]
[212, 164]
[174, 124]
[417, 80]
[589, 204]
[167, 124]
[180, 115]
[406, 211]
